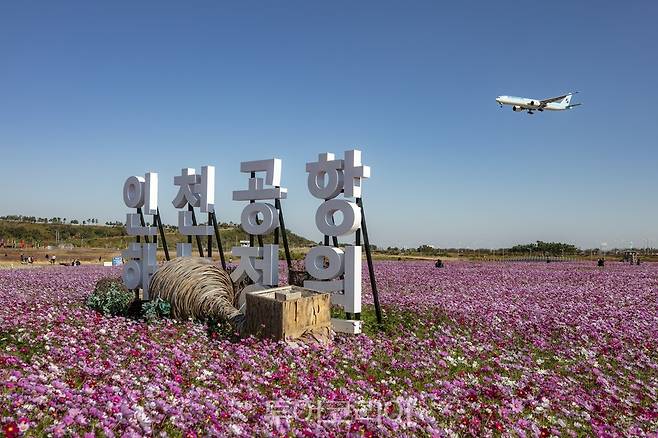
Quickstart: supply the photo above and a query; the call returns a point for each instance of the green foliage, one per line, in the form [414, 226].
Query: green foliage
[294, 255]
[221, 330]
[392, 320]
[113, 236]
[431, 251]
[549, 248]
[20, 344]
[110, 297]
[45, 233]
[422, 250]
[156, 309]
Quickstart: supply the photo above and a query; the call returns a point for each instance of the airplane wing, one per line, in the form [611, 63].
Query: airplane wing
[554, 99]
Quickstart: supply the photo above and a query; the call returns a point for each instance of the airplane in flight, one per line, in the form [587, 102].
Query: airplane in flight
[519, 104]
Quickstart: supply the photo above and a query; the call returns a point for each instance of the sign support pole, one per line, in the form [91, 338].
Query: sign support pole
[198, 238]
[284, 234]
[251, 237]
[162, 234]
[143, 222]
[371, 269]
[219, 240]
[334, 239]
[209, 237]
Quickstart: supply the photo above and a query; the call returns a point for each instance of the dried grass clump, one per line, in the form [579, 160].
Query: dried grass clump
[197, 289]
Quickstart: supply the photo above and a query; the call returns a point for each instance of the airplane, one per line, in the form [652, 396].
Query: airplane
[524, 104]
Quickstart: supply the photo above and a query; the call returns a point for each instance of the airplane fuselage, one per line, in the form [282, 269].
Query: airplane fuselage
[523, 103]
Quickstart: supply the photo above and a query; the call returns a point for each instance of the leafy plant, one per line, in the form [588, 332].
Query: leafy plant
[156, 309]
[110, 297]
[221, 330]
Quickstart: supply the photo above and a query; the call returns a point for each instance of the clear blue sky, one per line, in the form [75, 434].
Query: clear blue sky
[93, 92]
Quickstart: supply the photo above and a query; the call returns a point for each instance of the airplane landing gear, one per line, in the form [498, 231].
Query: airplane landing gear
[530, 112]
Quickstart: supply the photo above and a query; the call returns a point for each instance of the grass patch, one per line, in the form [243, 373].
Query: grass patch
[20, 345]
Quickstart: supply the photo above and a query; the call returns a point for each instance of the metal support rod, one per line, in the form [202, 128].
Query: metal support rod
[334, 239]
[143, 222]
[371, 269]
[284, 234]
[326, 238]
[198, 238]
[209, 238]
[219, 241]
[251, 236]
[162, 234]
[155, 238]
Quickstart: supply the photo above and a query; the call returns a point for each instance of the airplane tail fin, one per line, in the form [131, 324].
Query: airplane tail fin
[567, 99]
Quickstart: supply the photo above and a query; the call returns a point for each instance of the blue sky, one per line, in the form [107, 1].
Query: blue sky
[93, 92]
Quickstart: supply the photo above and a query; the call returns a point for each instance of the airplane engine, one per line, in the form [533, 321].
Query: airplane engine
[517, 108]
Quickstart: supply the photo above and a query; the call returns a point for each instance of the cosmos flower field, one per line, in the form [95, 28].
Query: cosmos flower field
[492, 349]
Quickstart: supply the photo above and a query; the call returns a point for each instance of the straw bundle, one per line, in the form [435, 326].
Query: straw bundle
[197, 289]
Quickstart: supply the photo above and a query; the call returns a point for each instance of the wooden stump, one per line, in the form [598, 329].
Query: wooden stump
[287, 313]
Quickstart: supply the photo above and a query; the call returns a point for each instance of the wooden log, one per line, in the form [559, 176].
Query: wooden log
[303, 313]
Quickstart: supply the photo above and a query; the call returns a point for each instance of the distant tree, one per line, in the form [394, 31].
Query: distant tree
[548, 248]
